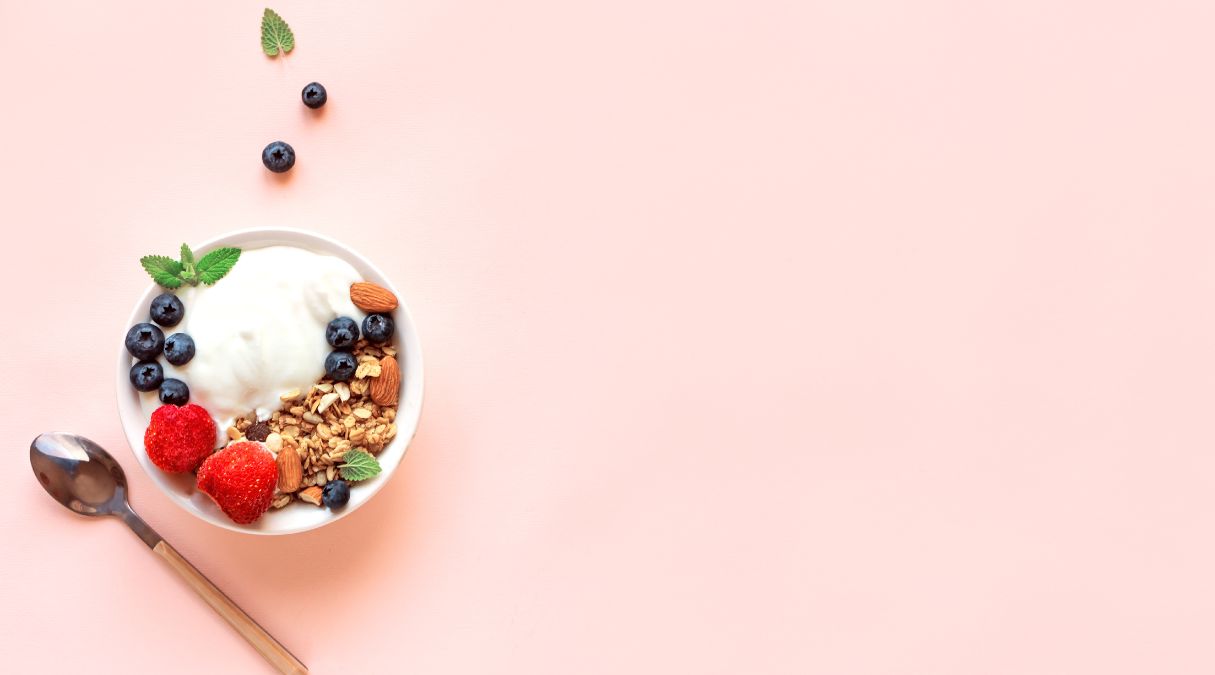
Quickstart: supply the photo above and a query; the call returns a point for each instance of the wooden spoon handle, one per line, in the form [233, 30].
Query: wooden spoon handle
[263, 642]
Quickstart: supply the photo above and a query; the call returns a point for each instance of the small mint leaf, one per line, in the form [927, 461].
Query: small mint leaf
[164, 270]
[276, 34]
[213, 266]
[359, 465]
[188, 273]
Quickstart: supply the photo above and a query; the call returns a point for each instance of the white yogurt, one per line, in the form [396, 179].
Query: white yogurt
[260, 331]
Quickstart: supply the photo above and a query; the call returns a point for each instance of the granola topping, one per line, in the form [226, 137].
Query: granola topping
[324, 423]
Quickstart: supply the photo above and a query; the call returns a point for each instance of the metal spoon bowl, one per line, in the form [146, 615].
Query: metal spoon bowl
[85, 478]
[79, 474]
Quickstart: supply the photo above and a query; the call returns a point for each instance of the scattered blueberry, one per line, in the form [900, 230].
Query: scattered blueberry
[167, 309]
[174, 392]
[145, 341]
[340, 366]
[314, 95]
[147, 375]
[335, 494]
[278, 157]
[179, 349]
[378, 327]
[342, 332]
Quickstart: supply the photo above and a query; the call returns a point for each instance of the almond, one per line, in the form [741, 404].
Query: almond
[387, 385]
[372, 298]
[290, 469]
[312, 495]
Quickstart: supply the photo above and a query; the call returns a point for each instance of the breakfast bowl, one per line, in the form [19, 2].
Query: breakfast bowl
[265, 364]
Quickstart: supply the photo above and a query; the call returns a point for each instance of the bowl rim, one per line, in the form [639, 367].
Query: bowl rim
[129, 409]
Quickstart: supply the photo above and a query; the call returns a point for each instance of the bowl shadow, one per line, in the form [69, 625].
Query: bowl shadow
[349, 544]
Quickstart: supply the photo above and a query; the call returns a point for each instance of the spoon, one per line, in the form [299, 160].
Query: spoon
[85, 478]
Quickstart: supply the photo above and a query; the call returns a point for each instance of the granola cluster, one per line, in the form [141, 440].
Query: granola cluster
[324, 423]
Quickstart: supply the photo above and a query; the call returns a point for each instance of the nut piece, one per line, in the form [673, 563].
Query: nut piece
[290, 470]
[384, 389]
[311, 495]
[372, 298]
[326, 401]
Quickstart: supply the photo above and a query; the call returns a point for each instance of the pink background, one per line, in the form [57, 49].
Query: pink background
[762, 337]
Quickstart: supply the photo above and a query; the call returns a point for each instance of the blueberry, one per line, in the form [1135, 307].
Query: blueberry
[179, 349]
[146, 375]
[342, 332]
[278, 157]
[340, 366]
[314, 95]
[174, 392]
[378, 327]
[145, 341]
[167, 309]
[335, 494]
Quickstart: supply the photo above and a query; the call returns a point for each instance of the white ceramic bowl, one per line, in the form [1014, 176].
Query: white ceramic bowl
[294, 517]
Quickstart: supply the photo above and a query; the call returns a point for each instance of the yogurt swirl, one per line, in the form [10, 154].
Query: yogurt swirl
[260, 331]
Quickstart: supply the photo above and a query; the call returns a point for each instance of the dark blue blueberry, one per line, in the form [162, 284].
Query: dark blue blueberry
[145, 341]
[146, 375]
[179, 349]
[340, 366]
[167, 309]
[278, 157]
[335, 494]
[342, 332]
[378, 327]
[314, 95]
[174, 392]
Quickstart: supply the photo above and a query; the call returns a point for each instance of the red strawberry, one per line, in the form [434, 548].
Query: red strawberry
[178, 438]
[241, 479]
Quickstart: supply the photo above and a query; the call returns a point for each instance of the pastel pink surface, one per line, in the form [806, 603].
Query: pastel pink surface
[780, 337]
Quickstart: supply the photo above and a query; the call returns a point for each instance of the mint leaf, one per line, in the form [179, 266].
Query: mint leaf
[359, 465]
[216, 264]
[187, 265]
[163, 270]
[276, 34]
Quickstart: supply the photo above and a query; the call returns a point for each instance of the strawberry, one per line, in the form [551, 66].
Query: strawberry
[241, 479]
[179, 437]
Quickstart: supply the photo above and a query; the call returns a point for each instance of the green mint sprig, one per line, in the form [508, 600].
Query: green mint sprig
[276, 34]
[209, 269]
[359, 465]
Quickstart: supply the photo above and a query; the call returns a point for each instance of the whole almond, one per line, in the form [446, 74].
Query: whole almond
[312, 495]
[372, 298]
[387, 385]
[290, 469]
